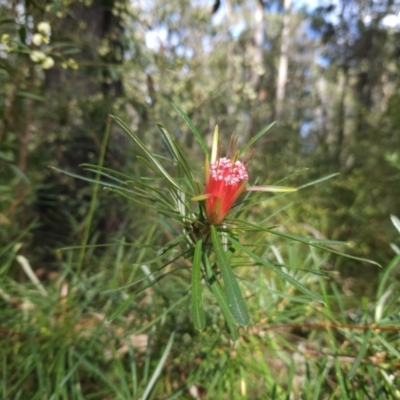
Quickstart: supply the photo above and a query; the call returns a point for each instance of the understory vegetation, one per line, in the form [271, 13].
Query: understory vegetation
[121, 277]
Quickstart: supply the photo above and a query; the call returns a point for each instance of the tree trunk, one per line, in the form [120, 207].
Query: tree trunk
[258, 44]
[283, 61]
[229, 41]
[341, 118]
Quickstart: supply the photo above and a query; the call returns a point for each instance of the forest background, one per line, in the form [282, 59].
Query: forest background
[327, 72]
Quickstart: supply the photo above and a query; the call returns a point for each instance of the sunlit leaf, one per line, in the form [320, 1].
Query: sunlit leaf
[395, 222]
[275, 189]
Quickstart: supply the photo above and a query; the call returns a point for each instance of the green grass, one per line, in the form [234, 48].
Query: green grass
[121, 320]
[59, 344]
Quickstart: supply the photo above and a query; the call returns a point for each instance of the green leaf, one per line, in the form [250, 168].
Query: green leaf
[310, 241]
[83, 178]
[277, 270]
[29, 95]
[318, 243]
[160, 316]
[256, 137]
[199, 138]
[235, 300]
[21, 175]
[22, 33]
[160, 365]
[156, 164]
[176, 152]
[386, 276]
[199, 320]
[360, 355]
[325, 178]
[121, 308]
[320, 379]
[96, 370]
[7, 156]
[221, 299]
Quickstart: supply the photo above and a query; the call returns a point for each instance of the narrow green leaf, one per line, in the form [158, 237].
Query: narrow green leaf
[314, 242]
[177, 153]
[256, 137]
[320, 378]
[277, 270]
[221, 299]
[273, 189]
[95, 369]
[199, 138]
[157, 208]
[199, 320]
[311, 241]
[386, 276]
[160, 316]
[102, 173]
[121, 308]
[109, 170]
[4, 380]
[30, 95]
[159, 367]
[338, 367]
[83, 178]
[150, 156]
[360, 355]
[393, 352]
[93, 200]
[292, 175]
[318, 180]
[235, 300]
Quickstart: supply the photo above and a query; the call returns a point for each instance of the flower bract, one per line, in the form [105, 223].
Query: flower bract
[226, 180]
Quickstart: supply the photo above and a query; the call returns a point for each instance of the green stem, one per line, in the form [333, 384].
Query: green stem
[93, 201]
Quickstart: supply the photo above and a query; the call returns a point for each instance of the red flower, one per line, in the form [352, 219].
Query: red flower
[226, 180]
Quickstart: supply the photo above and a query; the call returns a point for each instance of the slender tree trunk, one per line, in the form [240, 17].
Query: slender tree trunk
[258, 44]
[229, 42]
[343, 82]
[283, 60]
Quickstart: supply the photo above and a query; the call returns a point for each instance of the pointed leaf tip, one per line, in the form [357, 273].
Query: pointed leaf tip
[214, 150]
[274, 189]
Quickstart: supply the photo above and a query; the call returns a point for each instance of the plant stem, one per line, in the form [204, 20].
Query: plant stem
[94, 197]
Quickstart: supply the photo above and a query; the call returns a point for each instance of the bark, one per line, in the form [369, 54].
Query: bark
[341, 118]
[258, 44]
[229, 42]
[76, 116]
[283, 61]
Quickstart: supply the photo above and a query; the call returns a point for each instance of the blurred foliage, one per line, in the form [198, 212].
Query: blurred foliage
[65, 65]
[58, 343]
[339, 112]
